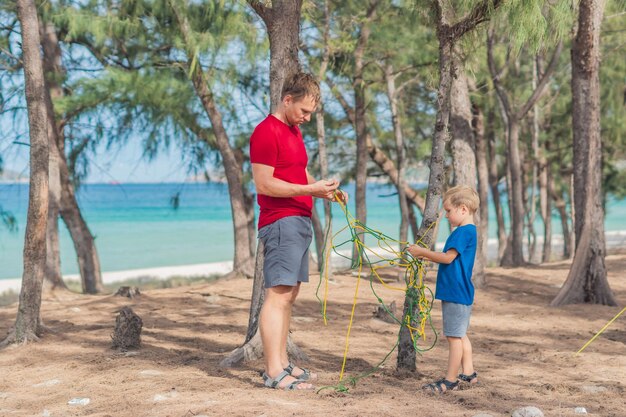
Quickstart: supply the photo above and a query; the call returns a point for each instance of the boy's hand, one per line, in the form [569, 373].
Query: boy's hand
[417, 251]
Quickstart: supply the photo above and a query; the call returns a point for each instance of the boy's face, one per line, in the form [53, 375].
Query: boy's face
[458, 215]
[299, 111]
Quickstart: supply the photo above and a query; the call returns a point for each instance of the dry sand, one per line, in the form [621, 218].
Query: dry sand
[523, 352]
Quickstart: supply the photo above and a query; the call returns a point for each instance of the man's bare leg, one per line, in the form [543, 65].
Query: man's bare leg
[274, 327]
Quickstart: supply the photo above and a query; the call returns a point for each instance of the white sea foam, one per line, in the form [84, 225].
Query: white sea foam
[218, 268]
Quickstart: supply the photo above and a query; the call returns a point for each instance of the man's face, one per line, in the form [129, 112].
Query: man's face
[298, 112]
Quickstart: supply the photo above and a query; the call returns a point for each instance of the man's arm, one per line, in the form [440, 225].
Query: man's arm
[267, 184]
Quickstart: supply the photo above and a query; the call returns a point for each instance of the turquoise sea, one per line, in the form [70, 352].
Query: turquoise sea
[136, 226]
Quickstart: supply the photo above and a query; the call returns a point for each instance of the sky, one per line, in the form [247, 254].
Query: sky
[121, 165]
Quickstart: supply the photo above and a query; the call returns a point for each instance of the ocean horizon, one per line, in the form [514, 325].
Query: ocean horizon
[139, 226]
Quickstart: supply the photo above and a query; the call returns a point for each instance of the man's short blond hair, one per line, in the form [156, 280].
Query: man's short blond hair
[462, 195]
[300, 85]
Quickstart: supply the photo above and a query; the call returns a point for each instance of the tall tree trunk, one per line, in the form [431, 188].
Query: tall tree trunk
[483, 189]
[494, 180]
[242, 261]
[561, 207]
[514, 115]
[436, 182]
[84, 242]
[545, 204]
[360, 124]
[587, 279]
[463, 153]
[62, 195]
[282, 21]
[28, 321]
[447, 36]
[51, 63]
[392, 96]
[325, 267]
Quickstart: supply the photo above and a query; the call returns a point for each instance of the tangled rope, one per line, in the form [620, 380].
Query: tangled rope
[417, 295]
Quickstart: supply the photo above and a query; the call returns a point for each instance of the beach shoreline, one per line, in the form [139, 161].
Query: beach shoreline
[614, 240]
[161, 273]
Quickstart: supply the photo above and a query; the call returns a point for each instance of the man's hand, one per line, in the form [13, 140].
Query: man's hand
[340, 196]
[324, 189]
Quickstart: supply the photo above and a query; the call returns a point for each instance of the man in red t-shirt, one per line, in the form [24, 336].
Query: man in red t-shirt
[285, 192]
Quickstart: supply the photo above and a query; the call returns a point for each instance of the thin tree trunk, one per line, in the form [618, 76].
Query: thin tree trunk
[545, 202]
[282, 21]
[587, 279]
[561, 207]
[436, 183]
[447, 36]
[392, 96]
[494, 180]
[28, 321]
[514, 254]
[84, 242]
[51, 65]
[360, 125]
[463, 153]
[483, 189]
[242, 261]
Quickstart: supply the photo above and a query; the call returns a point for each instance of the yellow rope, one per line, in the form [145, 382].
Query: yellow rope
[601, 330]
[423, 303]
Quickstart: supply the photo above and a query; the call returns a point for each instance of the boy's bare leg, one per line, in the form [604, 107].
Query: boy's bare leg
[467, 362]
[455, 356]
[274, 326]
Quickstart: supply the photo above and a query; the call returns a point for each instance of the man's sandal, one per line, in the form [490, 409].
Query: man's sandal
[306, 374]
[437, 386]
[275, 382]
[469, 378]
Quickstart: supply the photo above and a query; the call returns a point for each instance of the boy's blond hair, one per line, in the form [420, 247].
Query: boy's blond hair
[300, 85]
[462, 195]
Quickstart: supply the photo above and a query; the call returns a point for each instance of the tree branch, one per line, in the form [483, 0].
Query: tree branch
[543, 82]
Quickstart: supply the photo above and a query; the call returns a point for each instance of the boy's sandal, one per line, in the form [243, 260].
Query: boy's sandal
[469, 378]
[306, 374]
[436, 386]
[275, 382]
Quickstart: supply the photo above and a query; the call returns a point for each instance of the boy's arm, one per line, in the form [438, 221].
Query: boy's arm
[429, 255]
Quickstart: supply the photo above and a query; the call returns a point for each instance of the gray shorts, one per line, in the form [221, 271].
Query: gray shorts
[286, 243]
[456, 318]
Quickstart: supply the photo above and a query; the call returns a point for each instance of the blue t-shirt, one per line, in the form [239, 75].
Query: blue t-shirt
[454, 280]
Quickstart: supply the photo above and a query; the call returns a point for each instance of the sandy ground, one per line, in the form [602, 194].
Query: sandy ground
[523, 353]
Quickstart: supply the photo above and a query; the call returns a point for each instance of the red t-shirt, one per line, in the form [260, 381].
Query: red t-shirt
[279, 145]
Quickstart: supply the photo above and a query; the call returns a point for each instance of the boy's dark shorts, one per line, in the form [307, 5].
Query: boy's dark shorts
[456, 318]
[286, 243]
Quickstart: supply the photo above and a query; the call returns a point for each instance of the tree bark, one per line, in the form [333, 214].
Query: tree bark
[360, 124]
[483, 190]
[51, 64]
[28, 321]
[436, 181]
[463, 144]
[494, 180]
[324, 258]
[587, 279]
[392, 96]
[282, 21]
